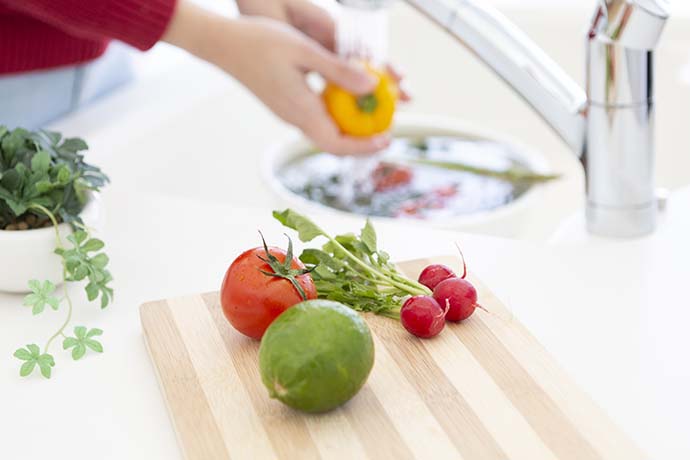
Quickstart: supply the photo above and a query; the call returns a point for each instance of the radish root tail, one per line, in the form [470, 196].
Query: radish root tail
[476, 305]
[464, 265]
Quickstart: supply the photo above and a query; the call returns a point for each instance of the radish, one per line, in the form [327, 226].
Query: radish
[434, 274]
[423, 316]
[460, 297]
[458, 294]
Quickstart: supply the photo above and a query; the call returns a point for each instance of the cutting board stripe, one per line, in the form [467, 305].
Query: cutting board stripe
[498, 414]
[196, 428]
[293, 438]
[242, 430]
[449, 407]
[373, 427]
[605, 436]
[425, 438]
[545, 417]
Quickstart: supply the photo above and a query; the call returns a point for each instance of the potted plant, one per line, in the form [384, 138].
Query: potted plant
[47, 202]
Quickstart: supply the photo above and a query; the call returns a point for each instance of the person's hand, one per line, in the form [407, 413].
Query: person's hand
[303, 15]
[273, 64]
[272, 59]
[310, 19]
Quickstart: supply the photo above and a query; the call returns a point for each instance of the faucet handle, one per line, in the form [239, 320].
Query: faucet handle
[634, 24]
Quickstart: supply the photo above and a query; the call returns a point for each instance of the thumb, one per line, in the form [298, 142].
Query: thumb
[350, 76]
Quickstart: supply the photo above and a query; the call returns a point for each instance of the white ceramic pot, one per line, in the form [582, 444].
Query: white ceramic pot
[28, 254]
[506, 221]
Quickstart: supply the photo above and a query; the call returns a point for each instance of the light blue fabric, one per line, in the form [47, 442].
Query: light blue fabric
[33, 99]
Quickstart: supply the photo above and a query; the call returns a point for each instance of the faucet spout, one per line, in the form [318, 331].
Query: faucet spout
[513, 56]
[611, 126]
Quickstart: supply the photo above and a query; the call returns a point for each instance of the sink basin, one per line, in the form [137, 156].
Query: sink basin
[503, 220]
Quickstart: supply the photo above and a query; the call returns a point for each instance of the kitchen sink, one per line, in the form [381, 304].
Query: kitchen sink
[285, 171]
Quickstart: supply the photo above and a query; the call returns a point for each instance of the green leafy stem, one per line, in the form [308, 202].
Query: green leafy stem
[513, 175]
[352, 269]
[82, 261]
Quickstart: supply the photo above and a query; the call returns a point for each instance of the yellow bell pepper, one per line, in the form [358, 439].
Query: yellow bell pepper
[364, 115]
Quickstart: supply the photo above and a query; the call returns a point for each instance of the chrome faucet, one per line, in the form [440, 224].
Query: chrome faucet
[611, 125]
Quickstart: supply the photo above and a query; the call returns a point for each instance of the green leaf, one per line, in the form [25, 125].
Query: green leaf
[11, 180]
[12, 142]
[368, 237]
[44, 186]
[47, 287]
[78, 351]
[322, 272]
[40, 162]
[31, 357]
[63, 175]
[93, 245]
[31, 299]
[23, 354]
[316, 257]
[27, 368]
[80, 272]
[81, 341]
[73, 145]
[78, 237]
[91, 291]
[35, 285]
[33, 348]
[94, 332]
[45, 363]
[17, 207]
[69, 342]
[100, 261]
[80, 332]
[306, 229]
[40, 296]
[54, 302]
[52, 136]
[94, 345]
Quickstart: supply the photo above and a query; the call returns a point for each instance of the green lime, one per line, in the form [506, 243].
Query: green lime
[316, 355]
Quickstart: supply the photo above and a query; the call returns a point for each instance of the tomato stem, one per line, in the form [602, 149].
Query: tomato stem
[283, 270]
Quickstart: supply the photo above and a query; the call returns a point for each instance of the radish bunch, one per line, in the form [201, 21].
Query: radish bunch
[453, 299]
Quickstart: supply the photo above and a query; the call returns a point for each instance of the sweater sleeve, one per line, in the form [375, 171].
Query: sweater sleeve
[140, 23]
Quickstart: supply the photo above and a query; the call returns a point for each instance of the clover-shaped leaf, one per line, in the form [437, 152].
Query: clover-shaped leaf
[31, 355]
[81, 341]
[41, 294]
[78, 237]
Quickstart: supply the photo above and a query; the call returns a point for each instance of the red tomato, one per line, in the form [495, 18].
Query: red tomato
[251, 300]
[388, 176]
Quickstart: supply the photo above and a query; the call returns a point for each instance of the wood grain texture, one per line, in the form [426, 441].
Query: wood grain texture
[483, 389]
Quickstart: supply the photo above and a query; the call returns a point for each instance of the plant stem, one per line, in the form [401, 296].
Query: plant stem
[54, 221]
[403, 286]
[58, 243]
[64, 325]
[409, 282]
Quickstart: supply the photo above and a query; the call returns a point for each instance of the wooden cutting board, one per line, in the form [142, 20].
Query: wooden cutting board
[483, 389]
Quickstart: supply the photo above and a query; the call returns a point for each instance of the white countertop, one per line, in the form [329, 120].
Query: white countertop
[614, 315]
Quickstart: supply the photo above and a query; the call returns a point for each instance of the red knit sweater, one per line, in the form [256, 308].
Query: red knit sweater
[41, 34]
